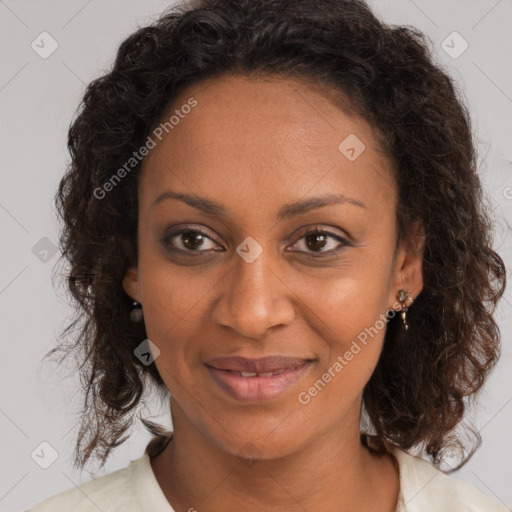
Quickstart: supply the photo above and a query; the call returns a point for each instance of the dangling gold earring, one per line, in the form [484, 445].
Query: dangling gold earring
[406, 301]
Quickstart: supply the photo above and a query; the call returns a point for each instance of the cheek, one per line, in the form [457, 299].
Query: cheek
[347, 299]
[353, 339]
[348, 310]
[175, 303]
[171, 294]
[352, 342]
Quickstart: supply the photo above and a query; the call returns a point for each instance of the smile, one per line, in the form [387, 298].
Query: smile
[254, 386]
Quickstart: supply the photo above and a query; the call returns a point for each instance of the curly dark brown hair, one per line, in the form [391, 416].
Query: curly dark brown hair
[419, 391]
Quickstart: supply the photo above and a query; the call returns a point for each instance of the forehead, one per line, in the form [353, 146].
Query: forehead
[265, 140]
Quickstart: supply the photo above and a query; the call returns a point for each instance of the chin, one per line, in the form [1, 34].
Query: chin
[257, 440]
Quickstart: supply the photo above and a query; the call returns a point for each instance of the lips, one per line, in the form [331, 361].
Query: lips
[264, 366]
[257, 380]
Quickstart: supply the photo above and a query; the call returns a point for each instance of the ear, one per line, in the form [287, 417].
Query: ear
[408, 268]
[131, 283]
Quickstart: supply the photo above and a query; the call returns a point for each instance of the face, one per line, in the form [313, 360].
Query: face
[260, 235]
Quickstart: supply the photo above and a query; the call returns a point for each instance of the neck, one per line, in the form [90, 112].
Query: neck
[333, 472]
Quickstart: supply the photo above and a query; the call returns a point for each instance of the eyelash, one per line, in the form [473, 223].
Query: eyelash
[167, 239]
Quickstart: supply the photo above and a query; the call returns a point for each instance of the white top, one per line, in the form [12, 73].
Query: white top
[135, 489]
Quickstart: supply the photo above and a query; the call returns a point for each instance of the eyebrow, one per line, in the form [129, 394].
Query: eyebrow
[287, 211]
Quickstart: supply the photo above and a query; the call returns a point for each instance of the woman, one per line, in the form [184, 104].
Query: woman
[273, 213]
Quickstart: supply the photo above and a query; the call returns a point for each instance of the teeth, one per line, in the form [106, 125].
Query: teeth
[254, 374]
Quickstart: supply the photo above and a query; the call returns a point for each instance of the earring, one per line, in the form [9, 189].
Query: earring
[406, 301]
[136, 312]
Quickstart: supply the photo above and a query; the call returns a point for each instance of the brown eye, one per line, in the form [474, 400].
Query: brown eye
[316, 241]
[188, 240]
[192, 240]
[321, 241]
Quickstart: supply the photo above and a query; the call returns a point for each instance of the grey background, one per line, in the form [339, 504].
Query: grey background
[37, 100]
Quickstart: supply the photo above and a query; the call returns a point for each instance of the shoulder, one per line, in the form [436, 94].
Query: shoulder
[110, 492]
[424, 487]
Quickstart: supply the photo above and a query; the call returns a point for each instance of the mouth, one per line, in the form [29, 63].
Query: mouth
[257, 380]
[261, 366]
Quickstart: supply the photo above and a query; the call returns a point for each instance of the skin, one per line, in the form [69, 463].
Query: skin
[253, 145]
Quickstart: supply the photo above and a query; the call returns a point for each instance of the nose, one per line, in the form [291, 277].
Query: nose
[254, 298]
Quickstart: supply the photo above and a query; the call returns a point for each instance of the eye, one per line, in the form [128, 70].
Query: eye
[187, 240]
[317, 239]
